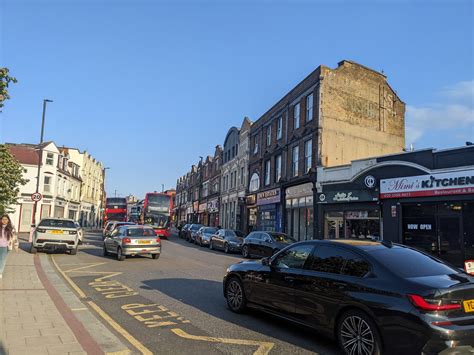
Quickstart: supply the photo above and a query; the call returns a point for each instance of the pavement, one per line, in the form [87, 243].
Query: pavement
[39, 314]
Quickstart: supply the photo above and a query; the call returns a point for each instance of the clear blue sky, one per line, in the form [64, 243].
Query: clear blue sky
[148, 86]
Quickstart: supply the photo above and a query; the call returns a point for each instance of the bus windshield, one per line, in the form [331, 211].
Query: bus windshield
[156, 202]
[116, 202]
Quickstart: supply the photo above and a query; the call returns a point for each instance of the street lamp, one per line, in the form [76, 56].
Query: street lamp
[40, 160]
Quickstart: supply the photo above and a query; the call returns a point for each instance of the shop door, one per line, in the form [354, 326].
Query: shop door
[26, 217]
[450, 242]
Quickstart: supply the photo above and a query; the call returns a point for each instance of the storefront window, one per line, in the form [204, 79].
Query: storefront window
[267, 220]
[333, 225]
[359, 224]
[468, 219]
[300, 218]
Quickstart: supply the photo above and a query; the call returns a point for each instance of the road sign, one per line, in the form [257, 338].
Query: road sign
[36, 197]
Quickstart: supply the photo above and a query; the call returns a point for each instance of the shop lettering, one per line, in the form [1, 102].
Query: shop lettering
[343, 196]
[458, 181]
[426, 227]
[403, 184]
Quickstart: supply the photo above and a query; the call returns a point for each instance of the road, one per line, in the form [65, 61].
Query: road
[175, 304]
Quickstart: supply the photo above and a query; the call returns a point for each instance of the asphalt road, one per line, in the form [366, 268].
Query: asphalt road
[175, 305]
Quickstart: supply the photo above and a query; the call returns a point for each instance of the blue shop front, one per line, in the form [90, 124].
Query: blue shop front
[269, 210]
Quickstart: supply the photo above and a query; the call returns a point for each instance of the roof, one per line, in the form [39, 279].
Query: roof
[25, 154]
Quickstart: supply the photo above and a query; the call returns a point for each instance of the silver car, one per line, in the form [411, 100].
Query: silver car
[55, 234]
[111, 225]
[80, 232]
[132, 240]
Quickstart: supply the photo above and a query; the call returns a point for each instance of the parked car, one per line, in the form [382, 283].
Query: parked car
[55, 234]
[228, 240]
[260, 244]
[204, 234]
[191, 232]
[114, 224]
[128, 240]
[373, 297]
[183, 230]
[80, 232]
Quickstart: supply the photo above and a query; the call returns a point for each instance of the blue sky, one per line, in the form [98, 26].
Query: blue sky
[148, 86]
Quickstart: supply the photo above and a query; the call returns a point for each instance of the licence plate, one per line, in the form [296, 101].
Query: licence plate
[145, 241]
[56, 231]
[468, 306]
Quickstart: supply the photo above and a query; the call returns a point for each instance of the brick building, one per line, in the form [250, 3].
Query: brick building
[331, 117]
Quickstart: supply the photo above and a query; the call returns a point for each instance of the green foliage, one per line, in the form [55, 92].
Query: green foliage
[11, 178]
[5, 80]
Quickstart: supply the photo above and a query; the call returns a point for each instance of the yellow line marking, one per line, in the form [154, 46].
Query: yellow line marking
[130, 338]
[263, 346]
[73, 284]
[122, 352]
[85, 267]
[78, 309]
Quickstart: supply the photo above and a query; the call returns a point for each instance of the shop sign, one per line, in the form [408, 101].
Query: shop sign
[267, 197]
[73, 207]
[347, 196]
[195, 206]
[357, 214]
[202, 207]
[213, 206]
[300, 190]
[454, 183]
[251, 199]
[469, 266]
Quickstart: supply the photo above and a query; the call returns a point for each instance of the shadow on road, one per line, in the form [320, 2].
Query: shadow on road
[207, 296]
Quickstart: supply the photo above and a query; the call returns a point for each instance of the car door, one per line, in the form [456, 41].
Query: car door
[253, 243]
[116, 238]
[274, 285]
[221, 238]
[266, 245]
[322, 287]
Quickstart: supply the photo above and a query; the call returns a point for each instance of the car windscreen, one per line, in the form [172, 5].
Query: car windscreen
[282, 238]
[209, 230]
[196, 227]
[234, 234]
[140, 232]
[56, 223]
[406, 262]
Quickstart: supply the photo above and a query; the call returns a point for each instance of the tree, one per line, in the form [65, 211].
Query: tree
[11, 178]
[5, 80]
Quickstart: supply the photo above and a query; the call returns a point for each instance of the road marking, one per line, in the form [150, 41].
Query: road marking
[79, 309]
[164, 318]
[84, 267]
[263, 346]
[130, 338]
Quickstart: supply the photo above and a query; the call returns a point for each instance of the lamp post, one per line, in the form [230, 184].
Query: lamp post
[40, 161]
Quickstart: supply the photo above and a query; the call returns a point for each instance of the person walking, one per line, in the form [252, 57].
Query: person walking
[8, 241]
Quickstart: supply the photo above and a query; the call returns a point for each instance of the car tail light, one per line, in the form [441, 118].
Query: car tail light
[433, 305]
[126, 240]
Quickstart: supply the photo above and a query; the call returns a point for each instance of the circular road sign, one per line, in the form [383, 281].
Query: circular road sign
[36, 197]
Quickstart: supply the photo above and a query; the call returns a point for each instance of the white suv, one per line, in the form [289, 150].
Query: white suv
[55, 234]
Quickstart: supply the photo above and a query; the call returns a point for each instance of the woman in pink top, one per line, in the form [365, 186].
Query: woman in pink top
[6, 239]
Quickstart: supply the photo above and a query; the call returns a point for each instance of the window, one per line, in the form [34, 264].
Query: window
[308, 154]
[309, 108]
[269, 136]
[277, 168]
[294, 163]
[255, 145]
[233, 152]
[267, 172]
[50, 159]
[279, 127]
[242, 176]
[328, 259]
[296, 116]
[293, 258]
[47, 184]
[236, 149]
[355, 266]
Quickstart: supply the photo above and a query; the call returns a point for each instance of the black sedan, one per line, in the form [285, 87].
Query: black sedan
[183, 230]
[260, 244]
[228, 240]
[373, 297]
[191, 232]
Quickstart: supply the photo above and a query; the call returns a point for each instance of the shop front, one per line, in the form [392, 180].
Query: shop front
[73, 210]
[299, 211]
[203, 216]
[269, 210]
[213, 210]
[251, 206]
[349, 213]
[433, 212]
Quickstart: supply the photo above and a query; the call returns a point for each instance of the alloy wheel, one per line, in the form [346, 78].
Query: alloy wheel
[234, 294]
[245, 252]
[357, 336]
[226, 248]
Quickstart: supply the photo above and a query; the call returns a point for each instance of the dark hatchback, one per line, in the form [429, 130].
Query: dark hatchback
[260, 244]
[373, 297]
[228, 240]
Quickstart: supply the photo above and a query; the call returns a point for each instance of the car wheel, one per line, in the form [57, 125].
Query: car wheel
[226, 248]
[357, 334]
[155, 256]
[33, 250]
[235, 295]
[120, 256]
[106, 253]
[74, 251]
[245, 252]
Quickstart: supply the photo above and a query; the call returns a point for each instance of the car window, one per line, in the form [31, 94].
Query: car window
[355, 265]
[327, 259]
[221, 233]
[57, 223]
[407, 262]
[259, 236]
[114, 232]
[282, 238]
[293, 258]
[138, 232]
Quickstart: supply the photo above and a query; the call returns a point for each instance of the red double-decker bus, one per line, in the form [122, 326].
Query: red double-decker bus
[115, 209]
[157, 212]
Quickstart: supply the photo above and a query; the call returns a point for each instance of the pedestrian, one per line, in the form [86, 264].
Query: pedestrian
[8, 240]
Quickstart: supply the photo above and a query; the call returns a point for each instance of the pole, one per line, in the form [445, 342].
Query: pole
[40, 160]
[162, 187]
